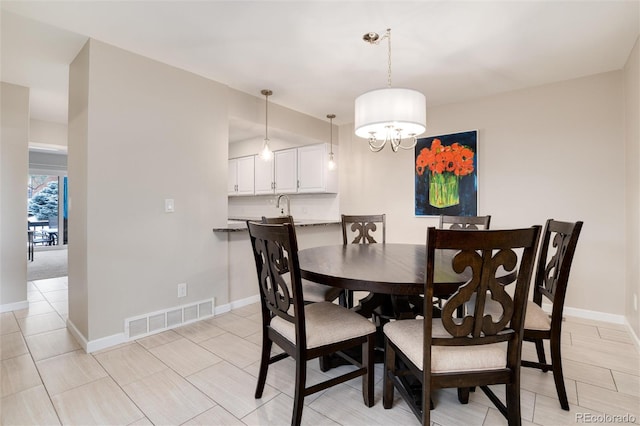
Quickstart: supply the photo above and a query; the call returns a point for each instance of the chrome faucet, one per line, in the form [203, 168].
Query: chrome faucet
[288, 204]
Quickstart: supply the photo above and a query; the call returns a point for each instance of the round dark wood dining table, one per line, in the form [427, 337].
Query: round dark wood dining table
[393, 274]
[395, 269]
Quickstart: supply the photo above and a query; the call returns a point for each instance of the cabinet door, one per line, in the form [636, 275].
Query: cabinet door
[285, 172]
[312, 168]
[232, 177]
[314, 174]
[264, 176]
[245, 176]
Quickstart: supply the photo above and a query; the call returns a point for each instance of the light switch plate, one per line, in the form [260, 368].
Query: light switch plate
[169, 206]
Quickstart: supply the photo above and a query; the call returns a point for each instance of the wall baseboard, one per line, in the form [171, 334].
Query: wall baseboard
[116, 339]
[237, 304]
[148, 324]
[634, 336]
[90, 346]
[586, 314]
[16, 306]
[599, 316]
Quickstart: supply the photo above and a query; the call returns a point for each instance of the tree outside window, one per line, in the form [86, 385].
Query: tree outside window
[44, 204]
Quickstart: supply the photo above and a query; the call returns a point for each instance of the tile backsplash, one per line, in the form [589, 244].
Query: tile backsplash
[303, 206]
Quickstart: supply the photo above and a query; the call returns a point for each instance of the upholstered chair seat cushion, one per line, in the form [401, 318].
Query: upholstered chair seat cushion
[407, 335]
[326, 323]
[314, 292]
[535, 318]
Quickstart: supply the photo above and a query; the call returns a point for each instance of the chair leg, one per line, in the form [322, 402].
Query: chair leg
[513, 403]
[298, 399]
[558, 377]
[342, 299]
[427, 403]
[387, 382]
[264, 365]
[463, 395]
[368, 378]
[324, 363]
[540, 351]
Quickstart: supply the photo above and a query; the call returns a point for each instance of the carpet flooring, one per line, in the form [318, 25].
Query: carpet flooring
[47, 264]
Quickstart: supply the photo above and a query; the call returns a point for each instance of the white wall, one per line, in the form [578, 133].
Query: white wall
[251, 109]
[555, 151]
[14, 161]
[46, 132]
[141, 132]
[77, 166]
[632, 129]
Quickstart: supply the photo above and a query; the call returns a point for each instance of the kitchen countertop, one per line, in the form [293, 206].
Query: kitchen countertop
[239, 224]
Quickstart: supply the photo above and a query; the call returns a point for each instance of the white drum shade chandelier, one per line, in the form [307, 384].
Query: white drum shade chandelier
[394, 115]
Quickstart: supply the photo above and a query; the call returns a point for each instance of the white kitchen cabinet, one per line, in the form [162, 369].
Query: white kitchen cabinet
[241, 176]
[313, 171]
[285, 171]
[264, 181]
[297, 170]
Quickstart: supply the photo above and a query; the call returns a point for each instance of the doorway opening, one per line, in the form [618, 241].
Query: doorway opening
[47, 209]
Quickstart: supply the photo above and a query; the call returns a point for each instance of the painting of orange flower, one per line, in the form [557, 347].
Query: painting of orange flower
[446, 170]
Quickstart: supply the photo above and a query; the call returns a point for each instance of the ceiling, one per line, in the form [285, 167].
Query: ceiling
[311, 53]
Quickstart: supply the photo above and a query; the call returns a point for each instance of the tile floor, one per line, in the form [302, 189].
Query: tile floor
[205, 374]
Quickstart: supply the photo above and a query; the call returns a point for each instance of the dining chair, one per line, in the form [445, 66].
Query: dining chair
[312, 292]
[52, 230]
[362, 229]
[559, 241]
[42, 236]
[464, 222]
[303, 331]
[475, 350]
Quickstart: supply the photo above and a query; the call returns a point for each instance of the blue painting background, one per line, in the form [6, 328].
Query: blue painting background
[468, 184]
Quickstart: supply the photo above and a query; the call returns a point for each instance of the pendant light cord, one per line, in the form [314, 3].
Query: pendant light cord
[331, 117]
[388, 35]
[266, 117]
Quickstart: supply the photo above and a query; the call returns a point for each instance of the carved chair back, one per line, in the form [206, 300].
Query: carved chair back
[464, 222]
[488, 254]
[558, 246]
[363, 228]
[275, 251]
[279, 220]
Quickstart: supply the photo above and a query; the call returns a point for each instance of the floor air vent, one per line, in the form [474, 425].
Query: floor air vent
[158, 321]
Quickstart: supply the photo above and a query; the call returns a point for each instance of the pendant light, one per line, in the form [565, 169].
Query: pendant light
[266, 154]
[332, 163]
[390, 114]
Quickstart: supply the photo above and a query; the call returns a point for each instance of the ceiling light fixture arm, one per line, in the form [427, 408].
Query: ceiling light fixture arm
[394, 138]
